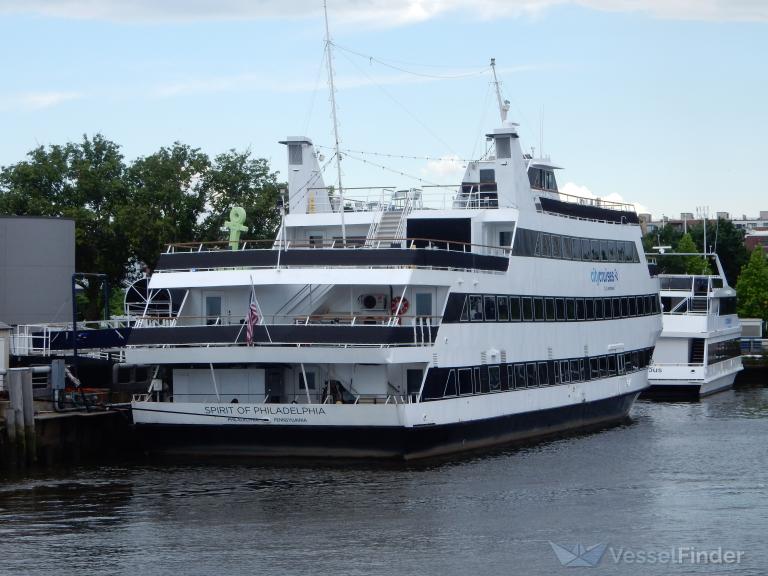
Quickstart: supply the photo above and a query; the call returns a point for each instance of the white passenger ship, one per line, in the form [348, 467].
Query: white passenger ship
[698, 352]
[403, 323]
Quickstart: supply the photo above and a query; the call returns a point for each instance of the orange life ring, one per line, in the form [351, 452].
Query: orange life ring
[403, 306]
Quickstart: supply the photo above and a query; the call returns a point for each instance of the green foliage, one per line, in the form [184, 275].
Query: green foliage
[752, 287]
[126, 213]
[693, 264]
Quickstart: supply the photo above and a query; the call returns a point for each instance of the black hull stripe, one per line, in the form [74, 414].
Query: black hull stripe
[379, 442]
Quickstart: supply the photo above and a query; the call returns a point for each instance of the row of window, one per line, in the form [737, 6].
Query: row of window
[545, 245]
[451, 382]
[502, 308]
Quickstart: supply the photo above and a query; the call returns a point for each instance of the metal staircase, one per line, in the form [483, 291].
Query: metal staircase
[697, 351]
[305, 301]
[388, 227]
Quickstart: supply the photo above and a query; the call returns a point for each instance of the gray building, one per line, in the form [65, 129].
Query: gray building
[37, 260]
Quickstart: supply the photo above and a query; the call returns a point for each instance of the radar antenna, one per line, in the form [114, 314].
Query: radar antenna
[503, 104]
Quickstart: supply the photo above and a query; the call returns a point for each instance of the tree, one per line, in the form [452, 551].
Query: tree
[693, 264]
[727, 241]
[167, 200]
[237, 179]
[665, 236]
[752, 287]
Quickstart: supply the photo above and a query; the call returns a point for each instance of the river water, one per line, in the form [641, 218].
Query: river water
[686, 480]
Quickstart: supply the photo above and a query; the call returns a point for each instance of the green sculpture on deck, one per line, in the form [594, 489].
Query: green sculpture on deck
[235, 226]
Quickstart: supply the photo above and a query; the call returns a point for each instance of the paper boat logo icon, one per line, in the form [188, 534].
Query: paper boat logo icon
[578, 554]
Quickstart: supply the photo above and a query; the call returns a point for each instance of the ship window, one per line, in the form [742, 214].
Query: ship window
[502, 307]
[570, 307]
[514, 308]
[608, 310]
[538, 309]
[483, 380]
[580, 308]
[632, 306]
[510, 376]
[519, 375]
[537, 250]
[503, 147]
[582, 371]
[636, 360]
[543, 380]
[590, 309]
[567, 248]
[494, 378]
[556, 366]
[465, 381]
[527, 309]
[595, 249]
[423, 304]
[620, 251]
[612, 365]
[717, 282]
[612, 250]
[546, 246]
[640, 306]
[487, 175]
[212, 310]
[556, 246]
[617, 308]
[531, 371]
[603, 366]
[598, 308]
[450, 384]
[465, 311]
[535, 178]
[586, 253]
[316, 241]
[550, 309]
[594, 369]
[476, 308]
[550, 182]
[565, 374]
[624, 307]
[604, 251]
[560, 308]
[294, 154]
[574, 370]
[632, 253]
[310, 381]
[505, 238]
[490, 309]
[620, 363]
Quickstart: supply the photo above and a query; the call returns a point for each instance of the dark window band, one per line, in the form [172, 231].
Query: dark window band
[486, 379]
[512, 308]
[556, 246]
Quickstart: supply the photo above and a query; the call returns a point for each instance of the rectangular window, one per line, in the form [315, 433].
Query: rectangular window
[604, 252]
[475, 308]
[628, 366]
[556, 365]
[612, 250]
[624, 307]
[582, 370]
[465, 381]
[612, 365]
[490, 308]
[603, 366]
[595, 246]
[423, 304]
[560, 309]
[550, 309]
[640, 306]
[586, 251]
[543, 379]
[510, 377]
[620, 251]
[476, 380]
[527, 309]
[450, 384]
[617, 307]
[574, 370]
[598, 308]
[590, 309]
[514, 308]
[631, 253]
[570, 307]
[533, 379]
[505, 238]
[565, 372]
[494, 379]
[580, 309]
[632, 306]
[538, 309]
[487, 175]
[620, 363]
[484, 380]
[519, 376]
[608, 309]
[546, 246]
[502, 307]
[567, 248]
[465, 311]
[556, 246]
[594, 369]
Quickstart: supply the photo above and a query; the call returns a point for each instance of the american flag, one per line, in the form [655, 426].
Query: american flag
[252, 320]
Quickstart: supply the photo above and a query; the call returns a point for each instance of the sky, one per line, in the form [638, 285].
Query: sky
[658, 102]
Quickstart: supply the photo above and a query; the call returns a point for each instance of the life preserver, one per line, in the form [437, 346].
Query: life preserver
[403, 306]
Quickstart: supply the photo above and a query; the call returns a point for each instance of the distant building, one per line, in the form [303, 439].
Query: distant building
[755, 238]
[37, 260]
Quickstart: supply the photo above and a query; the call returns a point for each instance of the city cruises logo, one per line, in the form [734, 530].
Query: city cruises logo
[604, 276]
[579, 555]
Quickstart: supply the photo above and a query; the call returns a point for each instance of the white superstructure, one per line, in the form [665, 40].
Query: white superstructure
[698, 352]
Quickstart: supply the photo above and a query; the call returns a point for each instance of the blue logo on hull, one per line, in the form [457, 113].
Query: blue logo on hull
[604, 276]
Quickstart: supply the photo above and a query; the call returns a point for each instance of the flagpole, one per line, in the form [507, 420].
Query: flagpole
[261, 314]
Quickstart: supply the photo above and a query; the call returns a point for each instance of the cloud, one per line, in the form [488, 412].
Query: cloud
[584, 192]
[37, 100]
[379, 12]
[448, 168]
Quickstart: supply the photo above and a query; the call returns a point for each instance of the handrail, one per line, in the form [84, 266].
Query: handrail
[584, 201]
[368, 319]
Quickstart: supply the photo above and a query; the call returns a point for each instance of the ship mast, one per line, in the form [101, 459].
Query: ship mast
[329, 59]
[503, 104]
